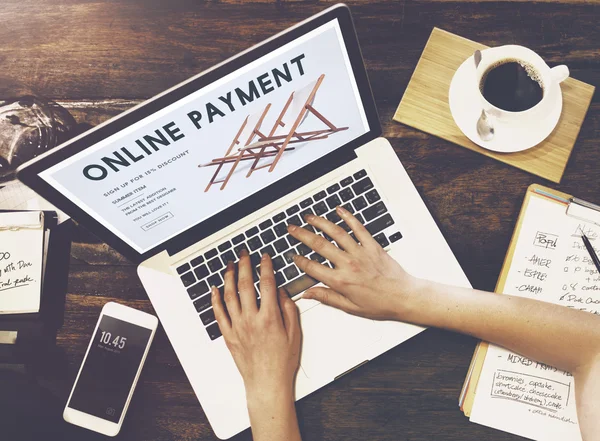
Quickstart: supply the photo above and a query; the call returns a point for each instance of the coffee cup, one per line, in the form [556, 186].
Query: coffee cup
[528, 105]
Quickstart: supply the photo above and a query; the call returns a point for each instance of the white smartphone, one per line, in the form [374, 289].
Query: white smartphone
[110, 369]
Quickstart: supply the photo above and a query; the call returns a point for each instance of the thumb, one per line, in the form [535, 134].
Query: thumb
[329, 297]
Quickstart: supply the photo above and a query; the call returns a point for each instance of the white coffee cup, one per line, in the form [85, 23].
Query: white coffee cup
[548, 77]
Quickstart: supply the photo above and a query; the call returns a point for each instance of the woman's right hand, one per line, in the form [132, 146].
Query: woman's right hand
[366, 281]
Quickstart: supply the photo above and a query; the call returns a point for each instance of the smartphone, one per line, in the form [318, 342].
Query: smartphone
[110, 369]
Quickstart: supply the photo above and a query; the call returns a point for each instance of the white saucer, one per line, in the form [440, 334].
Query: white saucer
[464, 99]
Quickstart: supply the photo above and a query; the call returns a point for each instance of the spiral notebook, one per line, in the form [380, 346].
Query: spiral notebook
[546, 261]
[22, 245]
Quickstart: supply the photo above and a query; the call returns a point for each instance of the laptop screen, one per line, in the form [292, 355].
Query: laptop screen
[220, 144]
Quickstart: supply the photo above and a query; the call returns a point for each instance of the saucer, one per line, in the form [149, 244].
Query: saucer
[463, 98]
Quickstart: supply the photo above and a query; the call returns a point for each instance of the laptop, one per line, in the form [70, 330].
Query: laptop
[224, 161]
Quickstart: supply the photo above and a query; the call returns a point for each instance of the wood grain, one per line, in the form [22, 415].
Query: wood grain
[100, 57]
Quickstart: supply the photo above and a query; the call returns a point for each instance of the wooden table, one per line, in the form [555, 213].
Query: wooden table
[99, 58]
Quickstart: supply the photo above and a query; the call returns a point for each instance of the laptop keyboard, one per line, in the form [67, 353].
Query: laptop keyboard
[356, 193]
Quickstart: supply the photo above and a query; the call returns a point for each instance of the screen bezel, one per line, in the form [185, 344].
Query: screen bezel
[30, 172]
[93, 422]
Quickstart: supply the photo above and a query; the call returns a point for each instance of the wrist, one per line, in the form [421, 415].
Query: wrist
[266, 398]
[413, 296]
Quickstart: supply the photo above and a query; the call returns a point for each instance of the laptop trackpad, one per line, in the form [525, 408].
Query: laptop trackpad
[334, 341]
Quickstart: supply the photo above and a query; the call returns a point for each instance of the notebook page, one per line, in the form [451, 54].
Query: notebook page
[550, 263]
[21, 254]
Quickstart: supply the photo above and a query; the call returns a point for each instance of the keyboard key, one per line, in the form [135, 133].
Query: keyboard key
[268, 250]
[333, 217]
[279, 217]
[346, 194]
[360, 174]
[295, 220]
[320, 195]
[278, 263]
[362, 186]
[345, 226]
[374, 211]
[306, 212]
[309, 228]
[292, 210]
[215, 280]
[201, 272]
[183, 268]
[224, 246]
[280, 229]
[251, 232]
[266, 224]
[317, 257]
[299, 285]
[346, 181]
[229, 256]
[359, 203]
[306, 203]
[254, 259]
[348, 207]
[210, 254]
[333, 201]
[279, 279]
[255, 243]
[267, 236]
[380, 224]
[203, 303]
[333, 188]
[303, 250]
[197, 261]
[290, 272]
[207, 317]
[372, 196]
[198, 289]
[289, 255]
[395, 237]
[238, 249]
[237, 239]
[213, 331]
[215, 264]
[381, 240]
[360, 218]
[281, 245]
[292, 240]
[321, 208]
[188, 278]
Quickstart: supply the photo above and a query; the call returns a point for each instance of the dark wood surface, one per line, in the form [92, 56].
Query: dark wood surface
[100, 57]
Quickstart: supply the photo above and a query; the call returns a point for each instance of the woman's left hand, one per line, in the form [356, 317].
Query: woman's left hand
[264, 341]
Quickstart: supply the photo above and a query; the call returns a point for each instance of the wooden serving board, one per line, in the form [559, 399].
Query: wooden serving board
[424, 106]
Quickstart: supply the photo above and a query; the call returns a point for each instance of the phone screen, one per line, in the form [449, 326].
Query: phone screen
[110, 368]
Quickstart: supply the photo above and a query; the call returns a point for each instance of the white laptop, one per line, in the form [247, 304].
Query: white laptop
[224, 161]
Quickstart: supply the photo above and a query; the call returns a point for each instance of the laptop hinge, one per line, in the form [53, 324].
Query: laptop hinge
[351, 369]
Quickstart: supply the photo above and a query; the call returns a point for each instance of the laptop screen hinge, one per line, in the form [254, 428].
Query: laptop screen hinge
[351, 369]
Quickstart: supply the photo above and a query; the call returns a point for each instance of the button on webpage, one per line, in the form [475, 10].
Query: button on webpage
[159, 220]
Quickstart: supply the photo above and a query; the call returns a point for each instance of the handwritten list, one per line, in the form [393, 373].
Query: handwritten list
[21, 259]
[550, 263]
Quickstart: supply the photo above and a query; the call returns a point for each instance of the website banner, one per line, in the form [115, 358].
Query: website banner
[220, 144]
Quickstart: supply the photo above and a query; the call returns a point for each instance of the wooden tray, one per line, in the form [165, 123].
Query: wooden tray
[424, 106]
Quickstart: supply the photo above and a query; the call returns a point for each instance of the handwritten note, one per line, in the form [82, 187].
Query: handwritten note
[550, 263]
[21, 259]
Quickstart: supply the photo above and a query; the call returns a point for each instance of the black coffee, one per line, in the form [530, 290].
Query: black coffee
[511, 85]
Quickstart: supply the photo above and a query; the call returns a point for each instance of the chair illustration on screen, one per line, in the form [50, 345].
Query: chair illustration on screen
[285, 131]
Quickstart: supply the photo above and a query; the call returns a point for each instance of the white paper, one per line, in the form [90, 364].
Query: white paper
[17, 196]
[21, 255]
[550, 263]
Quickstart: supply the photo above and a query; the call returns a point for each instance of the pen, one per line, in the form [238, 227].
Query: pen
[590, 249]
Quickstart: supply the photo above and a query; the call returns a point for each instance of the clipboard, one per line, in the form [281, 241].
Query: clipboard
[574, 207]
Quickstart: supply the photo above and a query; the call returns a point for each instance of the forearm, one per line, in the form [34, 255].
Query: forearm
[273, 417]
[555, 335]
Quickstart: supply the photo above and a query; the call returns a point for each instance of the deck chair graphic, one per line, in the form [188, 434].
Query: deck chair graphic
[285, 131]
[249, 131]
